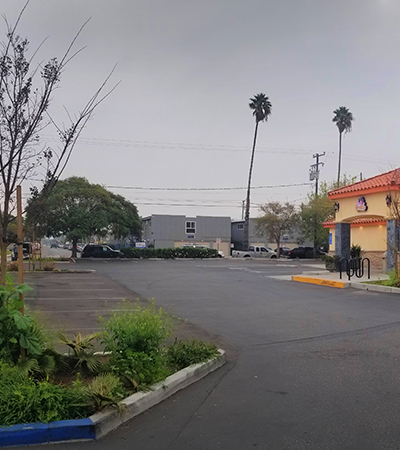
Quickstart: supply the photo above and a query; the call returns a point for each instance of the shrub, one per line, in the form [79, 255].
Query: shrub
[134, 337]
[51, 267]
[169, 253]
[12, 267]
[17, 330]
[182, 354]
[22, 400]
[136, 329]
[356, 251]
[138, 370]
[332, 262]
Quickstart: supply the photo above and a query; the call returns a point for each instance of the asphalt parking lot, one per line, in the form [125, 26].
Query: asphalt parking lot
[309, 367]
[74, 301]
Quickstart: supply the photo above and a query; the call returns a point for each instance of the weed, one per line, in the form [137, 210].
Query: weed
[182, 354]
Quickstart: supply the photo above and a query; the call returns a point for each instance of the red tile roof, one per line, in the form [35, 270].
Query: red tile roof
[358, 222]
[383, 182]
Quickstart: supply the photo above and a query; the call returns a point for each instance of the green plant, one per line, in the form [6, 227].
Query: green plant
[136, 329]
[138, 370]
[182, 354]
[134, 337]
[23, 400]
[83, 356]
[356, 251]
[105, 390]
[331, 262]
[16, 329]
[169, 253]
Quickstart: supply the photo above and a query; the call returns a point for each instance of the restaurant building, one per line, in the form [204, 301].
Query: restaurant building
[364, 216]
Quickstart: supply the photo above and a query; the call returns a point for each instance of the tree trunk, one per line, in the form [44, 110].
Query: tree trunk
[3, 263]
[247, 211]
[278, 241]
[74, 242]
[3, 243]
[340, 158]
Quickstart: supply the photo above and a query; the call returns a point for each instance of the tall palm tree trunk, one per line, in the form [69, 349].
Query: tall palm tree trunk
[247, 211]
[340, 158]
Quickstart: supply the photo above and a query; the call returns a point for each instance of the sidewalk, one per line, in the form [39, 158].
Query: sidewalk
[332, 279]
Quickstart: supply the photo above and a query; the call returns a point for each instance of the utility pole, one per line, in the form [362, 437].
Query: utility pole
[314, 175]
[314, 171]
[243, 203]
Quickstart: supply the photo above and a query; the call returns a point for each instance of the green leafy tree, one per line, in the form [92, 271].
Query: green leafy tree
[27, 89]
[343, 119]
[319, 209]
[262, 109]
[79, 209]
[125, 221]
[277, 217]
[313, 213]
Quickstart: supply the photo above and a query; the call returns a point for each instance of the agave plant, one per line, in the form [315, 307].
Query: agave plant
[83, 356]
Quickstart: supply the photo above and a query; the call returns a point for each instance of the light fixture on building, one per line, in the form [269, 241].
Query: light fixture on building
[337, 206]
[388, 200]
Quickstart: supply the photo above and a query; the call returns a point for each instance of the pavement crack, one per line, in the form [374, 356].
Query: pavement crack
[349, 333]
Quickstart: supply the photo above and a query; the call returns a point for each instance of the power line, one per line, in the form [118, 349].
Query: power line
[141, 188]
[210, 148]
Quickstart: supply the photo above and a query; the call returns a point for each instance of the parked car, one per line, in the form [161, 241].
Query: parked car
[80, 247]
[255, 251]
[304, 252]
[54, 245]
[26, 247]
[284, 251]
[100, 251]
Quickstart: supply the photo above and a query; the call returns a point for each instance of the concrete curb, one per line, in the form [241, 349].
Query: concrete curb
[376, 288]
[321, 281]
[101, 423]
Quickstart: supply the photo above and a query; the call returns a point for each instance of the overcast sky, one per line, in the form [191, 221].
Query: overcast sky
[180, 117]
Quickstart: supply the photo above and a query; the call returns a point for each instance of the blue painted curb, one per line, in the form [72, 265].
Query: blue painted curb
[42, 433]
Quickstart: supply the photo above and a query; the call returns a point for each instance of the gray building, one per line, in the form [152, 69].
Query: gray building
[290, 238]
[163, 231]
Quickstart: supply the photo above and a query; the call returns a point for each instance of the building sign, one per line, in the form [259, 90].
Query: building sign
[361, 205]
[140, 244]
[191, 236]
[330, 238]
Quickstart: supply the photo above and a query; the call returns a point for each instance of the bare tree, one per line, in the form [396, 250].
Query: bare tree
[277, 217]
[25, 98]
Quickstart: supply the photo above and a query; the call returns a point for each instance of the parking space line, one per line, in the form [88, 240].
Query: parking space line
[80, 289]
[87, 310]
[72, 299]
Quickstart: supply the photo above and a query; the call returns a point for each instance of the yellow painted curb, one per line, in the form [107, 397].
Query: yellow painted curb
[321, 282]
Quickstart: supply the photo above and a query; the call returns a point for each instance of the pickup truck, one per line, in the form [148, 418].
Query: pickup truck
[254, 251]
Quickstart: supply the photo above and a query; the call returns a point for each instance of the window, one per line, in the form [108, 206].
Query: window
[190, 227]
[240, 226]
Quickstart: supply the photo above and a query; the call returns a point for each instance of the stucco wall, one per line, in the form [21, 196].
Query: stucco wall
[371, 238]
[376, 207]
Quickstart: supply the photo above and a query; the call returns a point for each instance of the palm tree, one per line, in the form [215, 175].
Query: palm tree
[343, 118]
[262, 108]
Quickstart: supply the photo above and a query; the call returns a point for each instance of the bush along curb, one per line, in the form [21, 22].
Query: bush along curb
[101, 423]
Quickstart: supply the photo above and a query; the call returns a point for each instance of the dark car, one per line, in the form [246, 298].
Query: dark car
[304, 252]
[284, 251]
[26, 248]
[99, 251]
